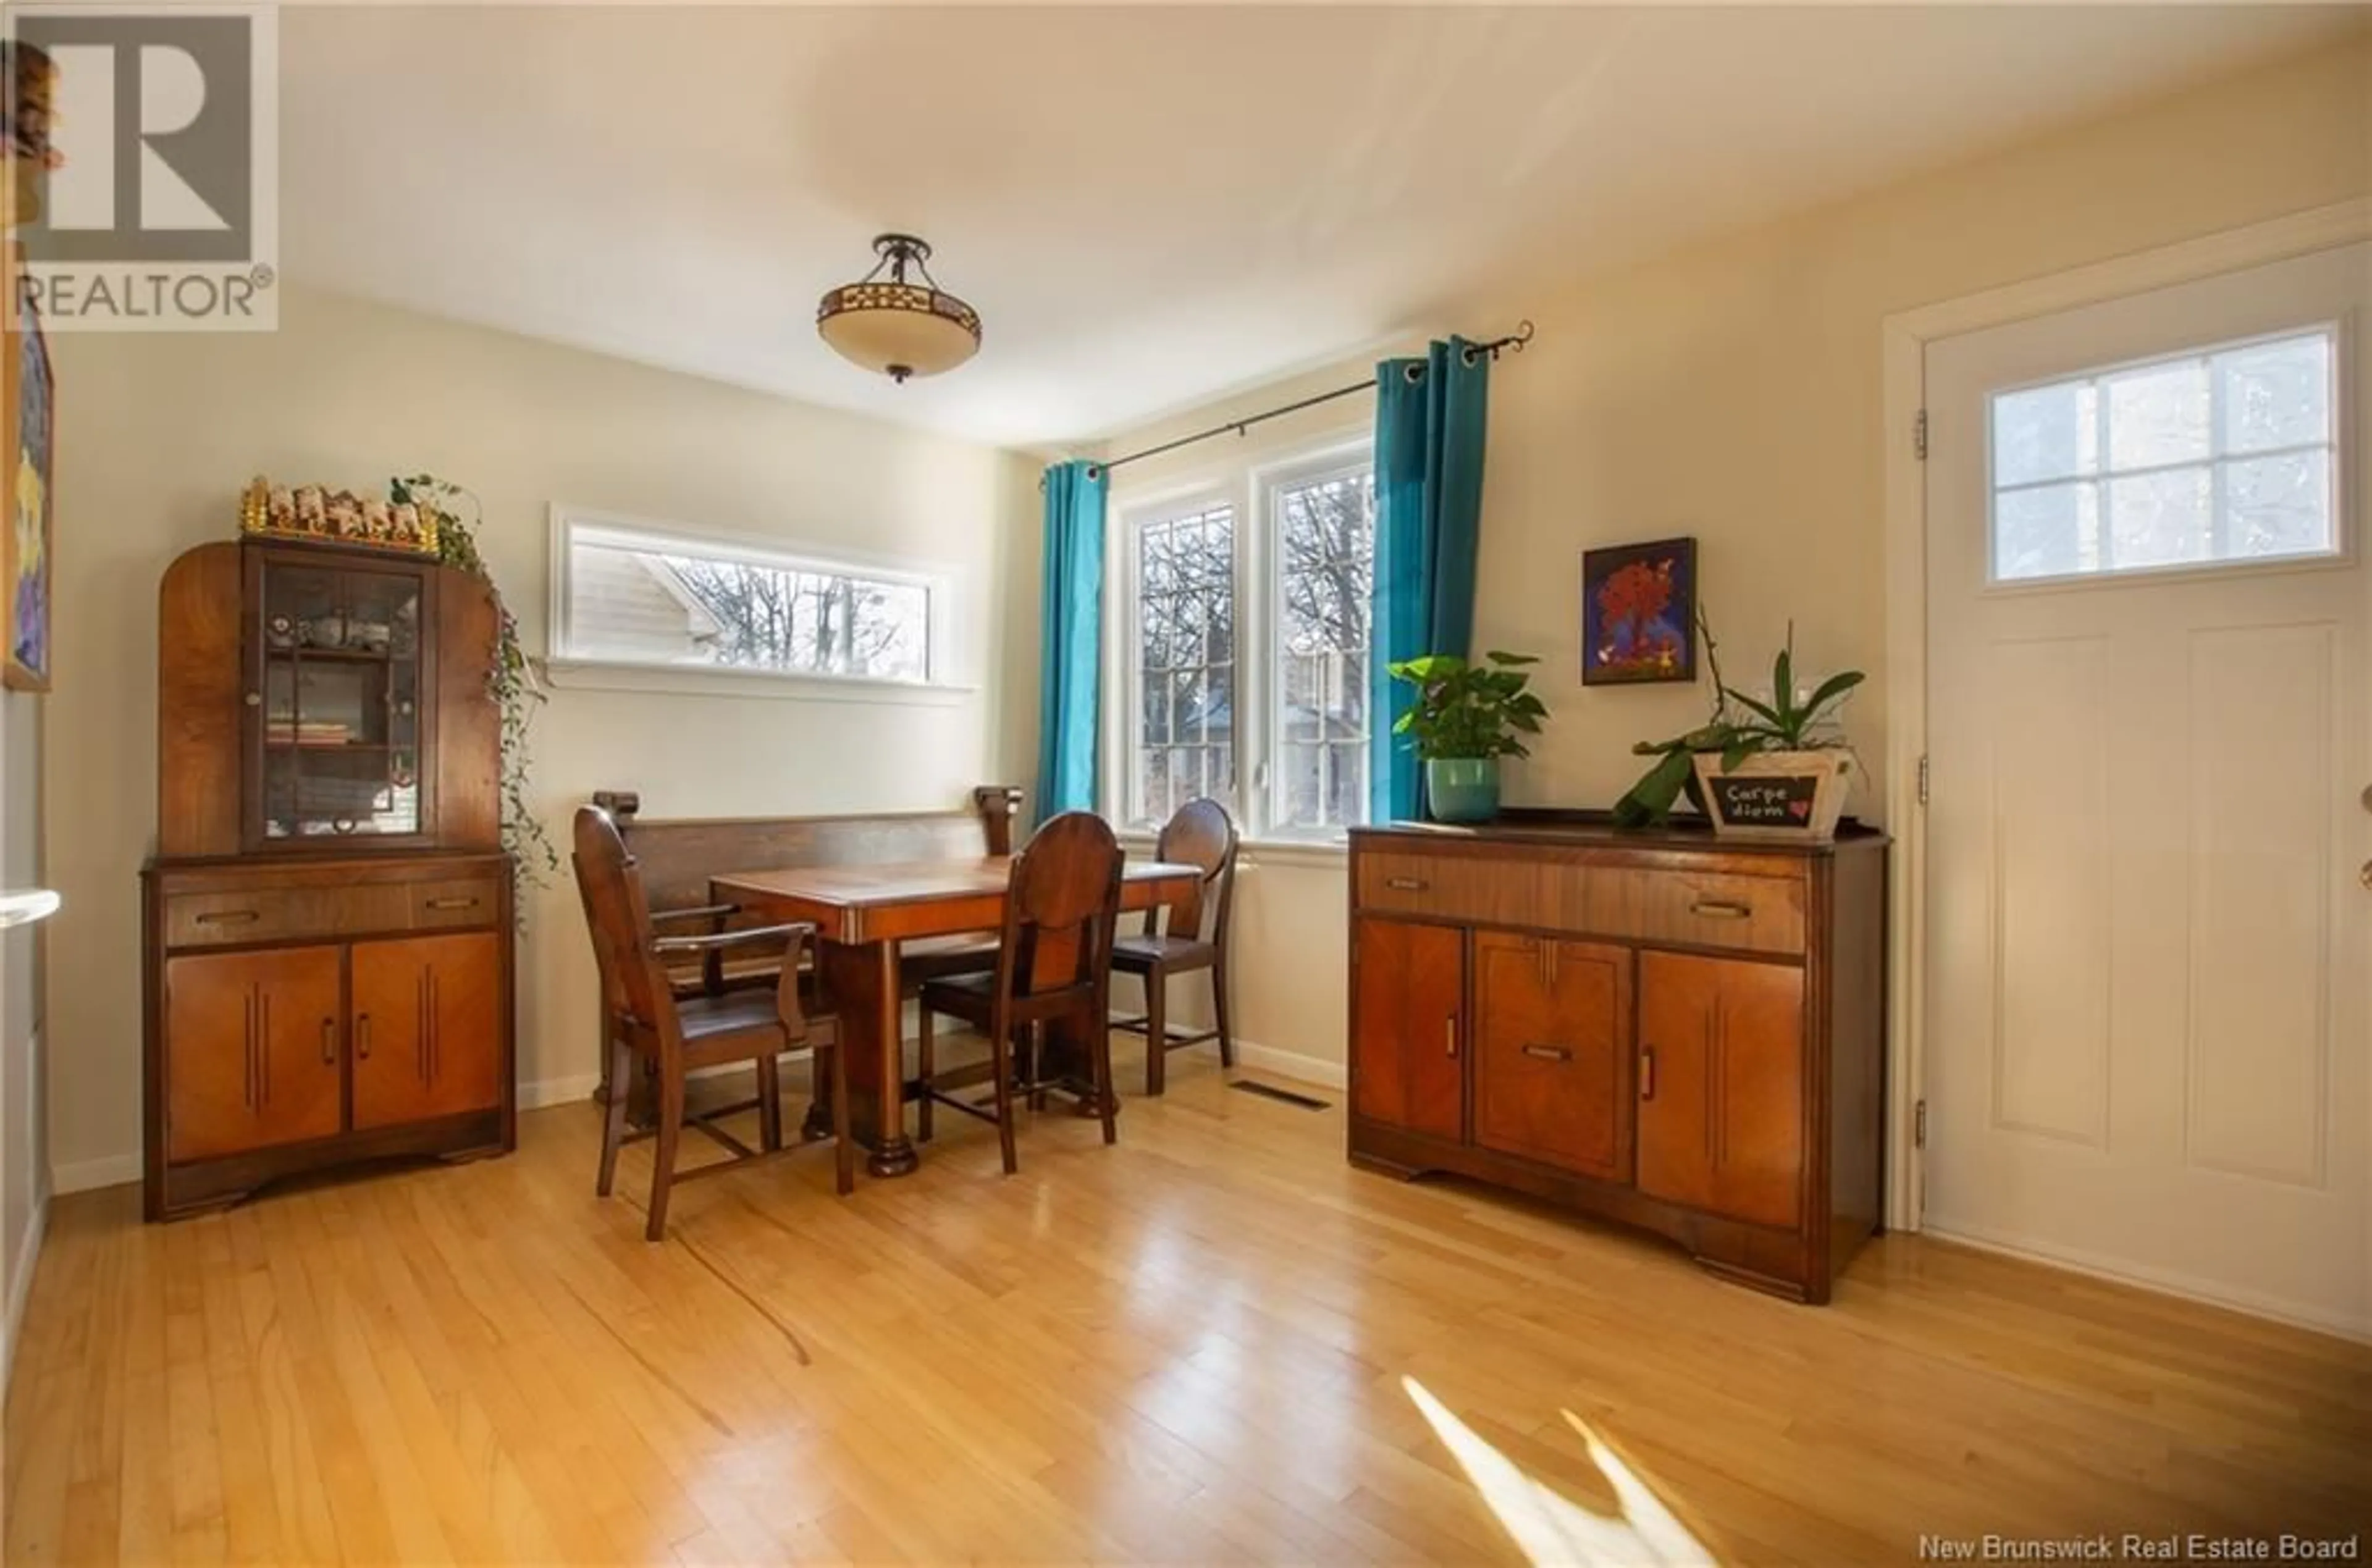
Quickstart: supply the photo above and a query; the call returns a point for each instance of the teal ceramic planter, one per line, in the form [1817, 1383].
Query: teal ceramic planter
[1462, 789]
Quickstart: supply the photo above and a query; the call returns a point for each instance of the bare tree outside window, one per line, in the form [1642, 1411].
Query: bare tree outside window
[770, 618]
[1186, 663]
[1326, 547]
[652, 600]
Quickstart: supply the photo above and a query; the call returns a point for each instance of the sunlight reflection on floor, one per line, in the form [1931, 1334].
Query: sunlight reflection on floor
[1551, 1528]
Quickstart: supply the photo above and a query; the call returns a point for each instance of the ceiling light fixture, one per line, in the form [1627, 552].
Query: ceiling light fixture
[897, 327]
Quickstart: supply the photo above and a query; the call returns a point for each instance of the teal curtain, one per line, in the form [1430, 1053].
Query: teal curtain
[1071, 638]
[1430, 415]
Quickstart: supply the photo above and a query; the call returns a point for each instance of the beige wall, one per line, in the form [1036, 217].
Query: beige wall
[159, 433]
[1732, 391]
[24, 1153]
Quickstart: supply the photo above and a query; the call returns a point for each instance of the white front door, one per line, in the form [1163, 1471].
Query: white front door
[2149, 949]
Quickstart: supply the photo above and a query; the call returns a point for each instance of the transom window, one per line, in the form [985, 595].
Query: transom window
[2222, 456]
[640, 596]
[1243, 649]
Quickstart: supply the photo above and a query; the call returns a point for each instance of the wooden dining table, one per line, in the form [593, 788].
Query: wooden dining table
[863, 914]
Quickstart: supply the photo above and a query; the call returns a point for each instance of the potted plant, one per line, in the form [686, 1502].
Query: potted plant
[1775, 769]
[1466, 718]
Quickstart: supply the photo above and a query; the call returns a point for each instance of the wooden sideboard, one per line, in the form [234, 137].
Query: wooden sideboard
[1660, 1028]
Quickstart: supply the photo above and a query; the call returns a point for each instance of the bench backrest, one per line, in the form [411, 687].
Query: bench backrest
[678, 856]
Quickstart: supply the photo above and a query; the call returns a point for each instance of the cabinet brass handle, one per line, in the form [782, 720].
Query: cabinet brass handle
[468, 903]
[229, 917]
[1721, 909]
[1646, 1072]
[1449, 1035]
[1407, 884]
[1549, 1053]
[246, 1051]
[361, 1036]
[329, 1042]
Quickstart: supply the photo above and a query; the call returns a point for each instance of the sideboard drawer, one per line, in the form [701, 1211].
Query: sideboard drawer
[280, 914]
[1717, 909]
[1708, 908]
[466, 902]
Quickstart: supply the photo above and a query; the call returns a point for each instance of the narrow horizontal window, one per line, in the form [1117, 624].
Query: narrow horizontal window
[2225, 456]
[652, 598]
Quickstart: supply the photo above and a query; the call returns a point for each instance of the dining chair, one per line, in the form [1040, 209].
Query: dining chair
[1189, 935]
[1053, 962]
[644, 1019]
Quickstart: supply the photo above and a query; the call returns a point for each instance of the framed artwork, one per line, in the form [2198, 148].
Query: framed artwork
[1639, 613]
[28, 449]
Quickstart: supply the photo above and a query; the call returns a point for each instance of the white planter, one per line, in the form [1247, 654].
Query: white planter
[1792, 796]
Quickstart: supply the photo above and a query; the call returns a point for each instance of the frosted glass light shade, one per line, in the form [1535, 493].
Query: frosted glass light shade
[898, 328]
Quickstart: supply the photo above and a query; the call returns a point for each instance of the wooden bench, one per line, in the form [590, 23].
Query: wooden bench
[678, 856]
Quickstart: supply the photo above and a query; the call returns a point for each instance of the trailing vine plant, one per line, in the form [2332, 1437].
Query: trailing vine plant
[510, 682]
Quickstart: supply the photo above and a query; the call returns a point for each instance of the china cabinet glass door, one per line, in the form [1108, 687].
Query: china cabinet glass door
[344, 682]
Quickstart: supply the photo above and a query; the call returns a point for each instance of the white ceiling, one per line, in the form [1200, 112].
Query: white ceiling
[1149, 207]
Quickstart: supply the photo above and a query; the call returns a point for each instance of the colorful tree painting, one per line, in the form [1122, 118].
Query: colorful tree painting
[1639, 613]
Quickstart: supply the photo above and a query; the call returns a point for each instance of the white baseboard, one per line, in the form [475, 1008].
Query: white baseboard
[2165, 1281]
[84, 1175]
[558, 1091]
[1318, 1070]
[20, 1288]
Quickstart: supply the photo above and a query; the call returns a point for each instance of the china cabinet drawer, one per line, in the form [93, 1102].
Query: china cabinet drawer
[466, 901]
[280, 914]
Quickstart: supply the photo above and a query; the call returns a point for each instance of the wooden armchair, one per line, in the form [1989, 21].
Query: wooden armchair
[1053, 962]
[644, 1018]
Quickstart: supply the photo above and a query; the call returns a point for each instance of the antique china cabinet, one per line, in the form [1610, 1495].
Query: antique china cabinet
[327, 920]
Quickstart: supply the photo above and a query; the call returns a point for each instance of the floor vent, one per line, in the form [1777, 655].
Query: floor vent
[1270, 1091]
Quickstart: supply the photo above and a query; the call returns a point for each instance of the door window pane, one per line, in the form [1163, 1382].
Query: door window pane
[2225, 455]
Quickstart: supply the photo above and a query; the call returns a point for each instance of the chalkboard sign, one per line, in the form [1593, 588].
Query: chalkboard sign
[1764, 800]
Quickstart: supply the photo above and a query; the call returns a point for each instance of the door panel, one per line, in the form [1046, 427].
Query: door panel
[1721, 1109]
[255, 1050]
[1407, 1032]
[1552, 1052]
[426, 1028]
[2145, 994]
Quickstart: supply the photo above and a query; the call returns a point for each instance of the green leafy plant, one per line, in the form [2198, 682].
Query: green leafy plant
[510, 682]
[1468, 709]
[1786, 723]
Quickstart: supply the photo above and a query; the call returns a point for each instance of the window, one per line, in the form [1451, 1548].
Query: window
[1325, 532]
[2223, 456]
[633, 594]
[1269, 621]
[1185, 574]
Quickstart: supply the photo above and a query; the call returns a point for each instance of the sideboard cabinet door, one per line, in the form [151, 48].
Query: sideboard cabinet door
[1552, 1052]
[427, 1028]
[1721, 1081]
[1407, 1029]
[254, 1050]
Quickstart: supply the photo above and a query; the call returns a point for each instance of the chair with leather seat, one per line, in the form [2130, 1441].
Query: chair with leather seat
[1053, 964]
[1188, 935]
[645, 1019]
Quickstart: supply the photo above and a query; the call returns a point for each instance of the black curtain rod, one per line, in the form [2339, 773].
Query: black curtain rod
[1514, 340]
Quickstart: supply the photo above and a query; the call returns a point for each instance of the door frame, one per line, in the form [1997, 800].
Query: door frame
[1906, 335]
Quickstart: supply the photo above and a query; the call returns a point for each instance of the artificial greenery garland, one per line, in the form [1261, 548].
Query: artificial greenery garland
[510, 682]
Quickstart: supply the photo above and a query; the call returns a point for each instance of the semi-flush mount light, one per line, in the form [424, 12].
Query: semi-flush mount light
[897, 327]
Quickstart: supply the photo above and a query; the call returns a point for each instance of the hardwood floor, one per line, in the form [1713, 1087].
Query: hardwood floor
[1214, 1343]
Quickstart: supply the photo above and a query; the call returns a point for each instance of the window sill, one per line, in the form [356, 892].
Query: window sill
[1311, 853]
[605, 675]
